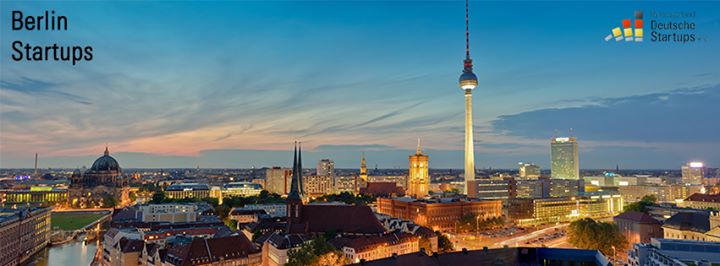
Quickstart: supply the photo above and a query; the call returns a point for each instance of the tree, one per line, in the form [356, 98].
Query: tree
[346, 197]
[316, 252]
[158, 197]
[108, 201]
[589, 234]
[444, 243]
[426, 245]
[641, 206]
[470, 223]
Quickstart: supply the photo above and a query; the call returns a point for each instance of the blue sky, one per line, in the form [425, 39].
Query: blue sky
[212, 83]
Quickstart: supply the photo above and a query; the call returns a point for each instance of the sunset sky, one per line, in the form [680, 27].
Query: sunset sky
[234, 83]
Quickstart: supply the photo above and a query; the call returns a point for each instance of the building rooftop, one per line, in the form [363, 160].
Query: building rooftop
[205, 251]
[638, 217]
[341, 219]
[692, 221]
[492, 257]
[242, 185]
[187, 187]
[363, 243]
[704, 197]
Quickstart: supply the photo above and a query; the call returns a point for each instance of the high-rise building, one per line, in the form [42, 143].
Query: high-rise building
[693, 173]
[492, 189]
[418, 178]
[326, 167]
[564, 158]
[532, 188]
[468, 81]
[277, 180]
[528, 170]
[318, 185]
[566, 187]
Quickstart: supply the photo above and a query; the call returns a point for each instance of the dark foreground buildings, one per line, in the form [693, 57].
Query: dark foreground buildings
[23, 232]
[501, 256]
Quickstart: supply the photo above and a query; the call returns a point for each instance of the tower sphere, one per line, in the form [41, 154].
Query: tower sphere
[468, 80]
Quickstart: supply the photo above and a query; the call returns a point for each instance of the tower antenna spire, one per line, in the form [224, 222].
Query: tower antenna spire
[467, 30]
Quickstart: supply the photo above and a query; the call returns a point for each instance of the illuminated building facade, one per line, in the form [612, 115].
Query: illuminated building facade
[492, 189]
[528, 170]
[187, 191]
[638, 227]
[318, 185]
[701, 201]
[532, 188]
[325, 167]
[693, 173]
[277, 180]
[36, 196]
[172, 213]
[104, 171]
[438, 214]
[663, 193]
[418, 177]
[377, 247]
[346, 184]
[23, 232]
[697, 226]
[241, 189]
[400, 180]
[566, 187]
[564, 163]
[528, 212]
[363, 171]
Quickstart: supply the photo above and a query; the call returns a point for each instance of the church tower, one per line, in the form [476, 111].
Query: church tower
[295, 197]
[418, 178]
[363, 171]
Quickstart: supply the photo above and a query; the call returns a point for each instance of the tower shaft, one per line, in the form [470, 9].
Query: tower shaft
[469, 145]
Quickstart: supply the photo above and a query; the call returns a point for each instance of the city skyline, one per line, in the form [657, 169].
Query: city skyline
[374, 99]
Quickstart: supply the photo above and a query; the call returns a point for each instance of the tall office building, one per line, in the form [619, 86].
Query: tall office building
[468, 82]
[564, 158]
[693, 173]
[418, 178]
[325, 167]
[528, 170]
[492, 189]
[277, 180]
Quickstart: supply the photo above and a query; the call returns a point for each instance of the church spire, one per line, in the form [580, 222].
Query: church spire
[107, 152]
[418, 151]
[295, 193]
[294, 199]
[300, 171]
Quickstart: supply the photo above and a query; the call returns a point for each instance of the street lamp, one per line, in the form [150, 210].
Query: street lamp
[477, 226]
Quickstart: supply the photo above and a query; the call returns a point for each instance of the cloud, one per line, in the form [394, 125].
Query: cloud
[683, 115]
[38, 87]
[353, 147]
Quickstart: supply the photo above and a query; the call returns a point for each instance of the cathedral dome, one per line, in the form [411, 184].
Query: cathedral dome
[105, 163]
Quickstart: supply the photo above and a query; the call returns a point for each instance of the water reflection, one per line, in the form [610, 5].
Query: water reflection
[74, 253]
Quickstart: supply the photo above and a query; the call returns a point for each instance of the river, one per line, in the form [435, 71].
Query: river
[73, 253]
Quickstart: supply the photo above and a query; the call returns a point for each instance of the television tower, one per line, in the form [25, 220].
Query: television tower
[468, 82]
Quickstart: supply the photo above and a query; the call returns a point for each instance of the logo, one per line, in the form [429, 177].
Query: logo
[628, 33]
